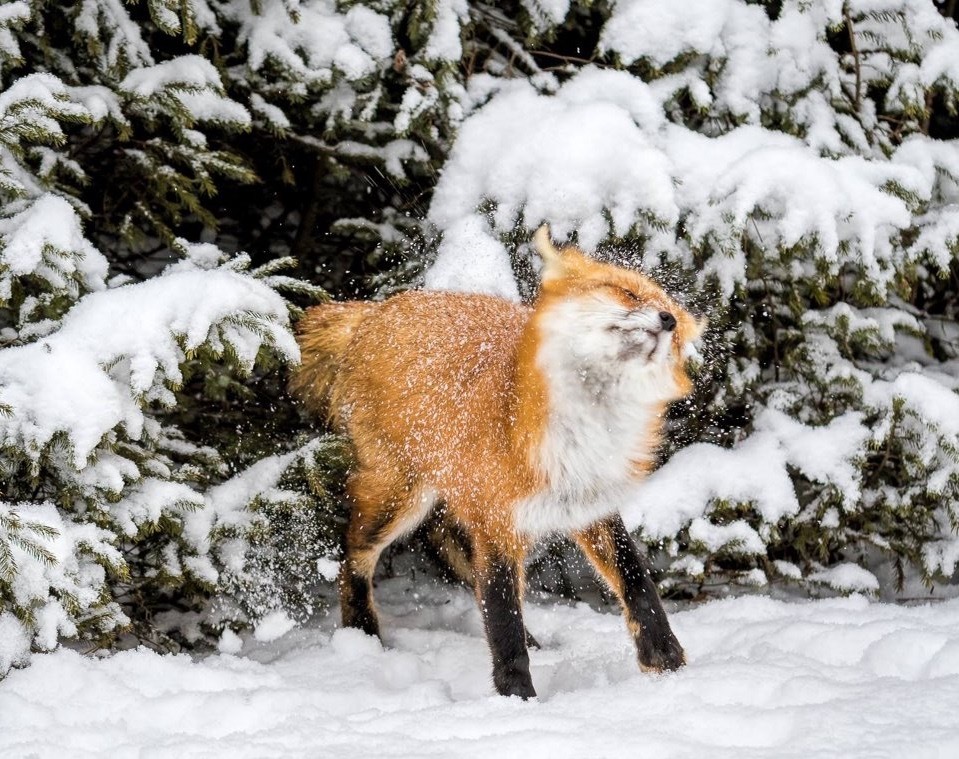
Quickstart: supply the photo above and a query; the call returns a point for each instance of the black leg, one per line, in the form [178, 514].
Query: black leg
[498, 591]
[356, 601]
[380, 501]
[613, 552]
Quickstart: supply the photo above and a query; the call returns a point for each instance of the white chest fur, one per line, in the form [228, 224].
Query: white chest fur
[601, 412]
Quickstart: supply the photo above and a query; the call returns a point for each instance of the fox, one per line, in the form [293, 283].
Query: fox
[519, 421]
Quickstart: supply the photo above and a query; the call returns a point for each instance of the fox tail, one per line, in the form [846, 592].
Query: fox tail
[324, 334]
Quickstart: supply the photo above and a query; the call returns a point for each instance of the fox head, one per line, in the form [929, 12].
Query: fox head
[613, 326]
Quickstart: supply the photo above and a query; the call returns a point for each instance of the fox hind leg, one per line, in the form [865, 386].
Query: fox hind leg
[384, 506]
[451, 547]
[498, 574]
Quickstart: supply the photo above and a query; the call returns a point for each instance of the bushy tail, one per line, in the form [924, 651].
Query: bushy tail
[324, 334]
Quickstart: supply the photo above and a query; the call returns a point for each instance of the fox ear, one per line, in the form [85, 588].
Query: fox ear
[553, 265]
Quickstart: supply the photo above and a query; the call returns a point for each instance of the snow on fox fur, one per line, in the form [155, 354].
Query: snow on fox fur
[518, 421]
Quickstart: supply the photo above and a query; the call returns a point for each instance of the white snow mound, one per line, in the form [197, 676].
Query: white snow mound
[837, 678]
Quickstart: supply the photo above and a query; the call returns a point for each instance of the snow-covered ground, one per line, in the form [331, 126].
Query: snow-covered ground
[766, 678]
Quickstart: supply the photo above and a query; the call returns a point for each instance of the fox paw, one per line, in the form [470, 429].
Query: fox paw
[363, 619]
[514, 683]
[660, 652]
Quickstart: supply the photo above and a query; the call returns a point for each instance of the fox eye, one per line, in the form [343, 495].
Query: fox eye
[629, 294]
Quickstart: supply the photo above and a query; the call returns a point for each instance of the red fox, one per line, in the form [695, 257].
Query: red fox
[520, 420]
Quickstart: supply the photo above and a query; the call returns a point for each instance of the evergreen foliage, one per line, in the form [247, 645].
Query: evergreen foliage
[175, 176]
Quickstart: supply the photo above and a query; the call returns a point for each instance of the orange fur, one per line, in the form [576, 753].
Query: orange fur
[324, 334]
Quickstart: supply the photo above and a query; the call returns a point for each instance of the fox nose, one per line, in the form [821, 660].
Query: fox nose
[668, 320]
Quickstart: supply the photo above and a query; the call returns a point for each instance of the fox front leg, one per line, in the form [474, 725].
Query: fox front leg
[612, 551]
[499, 581]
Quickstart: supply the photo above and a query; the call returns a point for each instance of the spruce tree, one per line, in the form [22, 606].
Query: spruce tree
[113, 323]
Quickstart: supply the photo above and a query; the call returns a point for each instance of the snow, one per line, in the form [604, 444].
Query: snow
[270, 113]
[46, 240]
[126, 46]
[768, 64]
[848, 319]
[69, 572]
[370, 30]
[194, 82]
[788, 569]
[598, 157]
[186, 71]
[14, 642]
[661, 32]
[938, 164]
[444, 43]
[41, 98]
[756, 471]
[942, 555]
[842, 677]
[226, 504]
[926, 397]
[18, 10]
[314, 41]
[274, 625]
[738, 535]
[100, 101]
[546, 13]
[939, 236]
[564, 158]
[175, 313]
[327, 568]
[772, 183]
[12, 15]
[826, 454]
[149, 499]
[489, 270]
[932, 41]
[393, 154]
[847, 577]
[211, 106]
[229, 643]
[684, 487]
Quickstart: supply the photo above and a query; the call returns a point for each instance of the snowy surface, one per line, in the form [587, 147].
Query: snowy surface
[840, 677]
